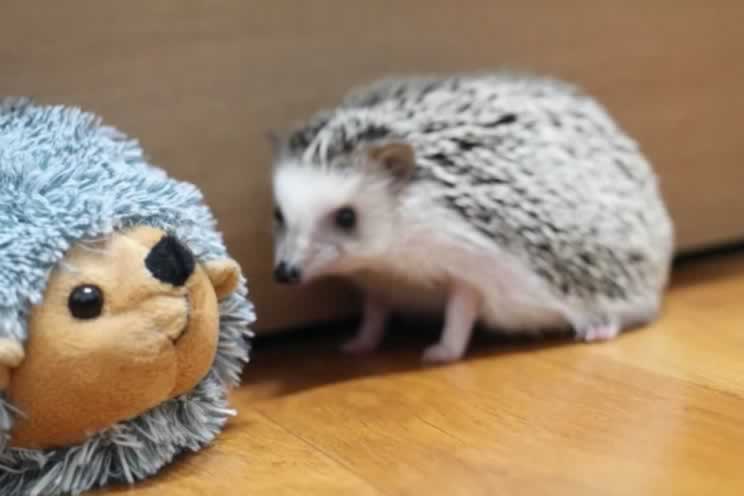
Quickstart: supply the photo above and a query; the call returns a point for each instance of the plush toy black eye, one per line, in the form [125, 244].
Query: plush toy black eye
[278, 216]
[346, 218]
[85, 302]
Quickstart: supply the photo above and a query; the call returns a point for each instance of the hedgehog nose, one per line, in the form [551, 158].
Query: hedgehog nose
[287, 274]
[170, 261]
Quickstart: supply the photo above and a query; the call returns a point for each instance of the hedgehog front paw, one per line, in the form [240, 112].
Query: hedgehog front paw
[371, 330]
[360, 344]
[440, 353]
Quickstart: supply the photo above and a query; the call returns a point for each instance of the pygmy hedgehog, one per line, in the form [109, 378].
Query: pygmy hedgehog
[510, 200]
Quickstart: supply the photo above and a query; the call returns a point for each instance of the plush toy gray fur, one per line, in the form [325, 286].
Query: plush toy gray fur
[65, 178]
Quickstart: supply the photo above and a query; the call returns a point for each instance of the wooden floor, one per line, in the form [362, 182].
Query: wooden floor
[659, 411]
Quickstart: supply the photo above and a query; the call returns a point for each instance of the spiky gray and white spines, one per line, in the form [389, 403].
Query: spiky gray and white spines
[534, 167]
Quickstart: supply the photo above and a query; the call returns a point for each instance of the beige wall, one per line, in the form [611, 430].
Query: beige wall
[200, 82]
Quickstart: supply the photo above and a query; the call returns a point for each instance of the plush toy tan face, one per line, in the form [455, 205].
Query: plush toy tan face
[125, 325]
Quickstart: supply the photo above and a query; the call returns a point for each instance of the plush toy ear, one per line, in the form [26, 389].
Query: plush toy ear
[398, 159]
[224, 275]
[11, 356]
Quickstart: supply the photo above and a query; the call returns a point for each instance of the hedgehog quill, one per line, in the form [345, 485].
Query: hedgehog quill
[512, 201]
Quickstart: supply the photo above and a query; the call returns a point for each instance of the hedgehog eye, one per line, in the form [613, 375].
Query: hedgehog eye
[85, 302]
[278, 216]
[346, 218]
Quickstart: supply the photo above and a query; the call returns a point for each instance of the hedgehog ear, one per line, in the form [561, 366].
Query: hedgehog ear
[398, 159]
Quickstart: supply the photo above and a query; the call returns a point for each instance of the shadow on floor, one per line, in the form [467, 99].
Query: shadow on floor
[708, 265]
[299, 360]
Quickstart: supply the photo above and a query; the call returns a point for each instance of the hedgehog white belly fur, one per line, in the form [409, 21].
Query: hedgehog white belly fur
[512, 200]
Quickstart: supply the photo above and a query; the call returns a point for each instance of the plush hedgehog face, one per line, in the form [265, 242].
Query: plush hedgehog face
[126, 323]
[334, 219]
[115, 355]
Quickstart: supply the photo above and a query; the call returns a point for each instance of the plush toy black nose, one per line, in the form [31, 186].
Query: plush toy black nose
[287, 274]
[170, 261]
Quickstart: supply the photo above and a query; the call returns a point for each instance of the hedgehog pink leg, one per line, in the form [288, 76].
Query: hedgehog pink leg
[371, 330]
[462, 312]
[598, 332]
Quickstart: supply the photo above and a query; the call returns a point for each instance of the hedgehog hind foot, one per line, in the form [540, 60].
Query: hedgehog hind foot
[598, 331]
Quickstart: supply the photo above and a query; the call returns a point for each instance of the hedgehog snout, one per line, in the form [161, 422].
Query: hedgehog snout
[286, 273]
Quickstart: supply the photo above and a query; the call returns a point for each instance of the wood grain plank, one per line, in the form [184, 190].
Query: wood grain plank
[657, 411]
[553, 421]
[253, 456]
[703, 343]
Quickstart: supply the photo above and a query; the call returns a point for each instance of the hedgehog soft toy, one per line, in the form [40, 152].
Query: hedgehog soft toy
[123, 322]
